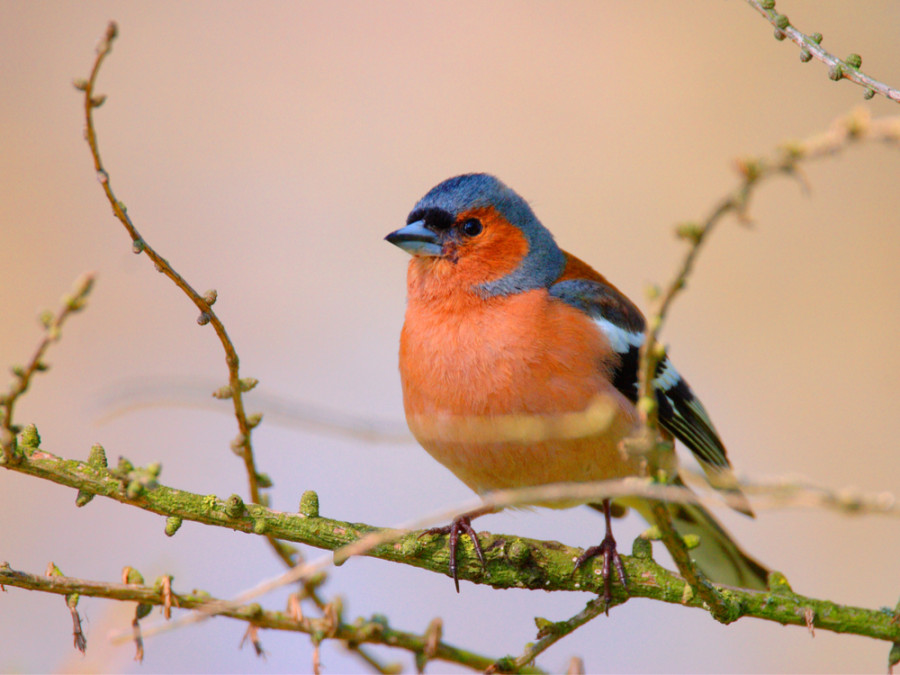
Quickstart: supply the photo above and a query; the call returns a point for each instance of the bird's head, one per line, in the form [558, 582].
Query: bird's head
[479, 235]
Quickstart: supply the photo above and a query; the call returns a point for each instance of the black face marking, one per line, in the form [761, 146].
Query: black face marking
[435, 219]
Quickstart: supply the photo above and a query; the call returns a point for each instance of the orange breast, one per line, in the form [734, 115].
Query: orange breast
[512, 391]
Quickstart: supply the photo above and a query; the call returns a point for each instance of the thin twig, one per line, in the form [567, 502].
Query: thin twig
[372, 631]
[140, 245]
[722, 607]
[810, 48]
[53, 324]
[549, 633]
[845, 131]
[237, 385]
[857, 126]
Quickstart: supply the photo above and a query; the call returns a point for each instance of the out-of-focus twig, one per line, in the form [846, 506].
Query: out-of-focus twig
[146, 392]
[856, 127]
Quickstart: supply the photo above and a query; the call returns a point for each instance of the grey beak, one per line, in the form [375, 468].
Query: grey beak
[416, 239]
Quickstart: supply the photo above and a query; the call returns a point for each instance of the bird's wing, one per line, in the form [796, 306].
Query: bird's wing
[680, 412]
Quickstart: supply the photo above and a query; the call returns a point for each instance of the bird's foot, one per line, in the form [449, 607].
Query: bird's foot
[611, 559]
[460, 524]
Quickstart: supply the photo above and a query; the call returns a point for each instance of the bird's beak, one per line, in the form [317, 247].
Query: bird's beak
[416, 239]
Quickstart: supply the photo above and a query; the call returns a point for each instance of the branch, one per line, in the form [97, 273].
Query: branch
[647, 442]
[854, 128]
[512, 562]
[362, 631]
[237, 386]
[810, 48]
[52, 324]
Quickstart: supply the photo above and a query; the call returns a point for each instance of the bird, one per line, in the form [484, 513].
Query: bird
[518, 365]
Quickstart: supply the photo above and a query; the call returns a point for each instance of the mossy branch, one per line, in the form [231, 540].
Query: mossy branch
[512, 562]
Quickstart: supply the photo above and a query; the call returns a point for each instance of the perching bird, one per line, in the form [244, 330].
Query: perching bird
[519, 362]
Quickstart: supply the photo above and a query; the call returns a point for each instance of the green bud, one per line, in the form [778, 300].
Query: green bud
[134, 490]
[222, 393]
[309, 504]
[30, 437]
[132, 576]
[83, 498]
[248, 383]
[97, 457]
[173, 523]
[778, 583]
[642, 549]
[234, 506]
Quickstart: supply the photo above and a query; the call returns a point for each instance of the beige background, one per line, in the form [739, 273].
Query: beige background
[266, 149]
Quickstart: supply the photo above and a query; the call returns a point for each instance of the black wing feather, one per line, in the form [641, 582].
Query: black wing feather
[680, 412]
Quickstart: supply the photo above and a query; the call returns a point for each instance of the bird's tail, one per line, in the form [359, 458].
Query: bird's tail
[718, 555]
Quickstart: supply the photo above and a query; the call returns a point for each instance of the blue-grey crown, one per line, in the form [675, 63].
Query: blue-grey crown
[544, 262]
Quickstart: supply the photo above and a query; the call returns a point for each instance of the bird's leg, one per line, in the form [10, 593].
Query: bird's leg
[611, 557]
[461, 523]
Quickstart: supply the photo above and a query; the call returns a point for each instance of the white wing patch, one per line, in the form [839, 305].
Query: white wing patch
[667, 378]
[620, 339]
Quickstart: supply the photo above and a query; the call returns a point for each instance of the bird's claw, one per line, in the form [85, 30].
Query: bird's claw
[460, 524]
[611, 559]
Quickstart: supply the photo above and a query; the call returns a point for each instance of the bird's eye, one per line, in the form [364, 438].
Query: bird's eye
[471, 227]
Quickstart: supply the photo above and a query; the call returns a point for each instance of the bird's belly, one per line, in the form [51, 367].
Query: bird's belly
[503, 452]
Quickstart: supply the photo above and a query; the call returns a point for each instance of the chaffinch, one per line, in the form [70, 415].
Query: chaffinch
[518, 364]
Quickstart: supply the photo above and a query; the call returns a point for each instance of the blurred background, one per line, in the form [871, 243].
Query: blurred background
[266, 149]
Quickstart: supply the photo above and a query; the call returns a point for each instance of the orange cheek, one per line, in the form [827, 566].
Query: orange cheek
[494, 253]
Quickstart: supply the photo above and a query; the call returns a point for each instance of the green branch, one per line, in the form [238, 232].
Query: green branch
[512, 562]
